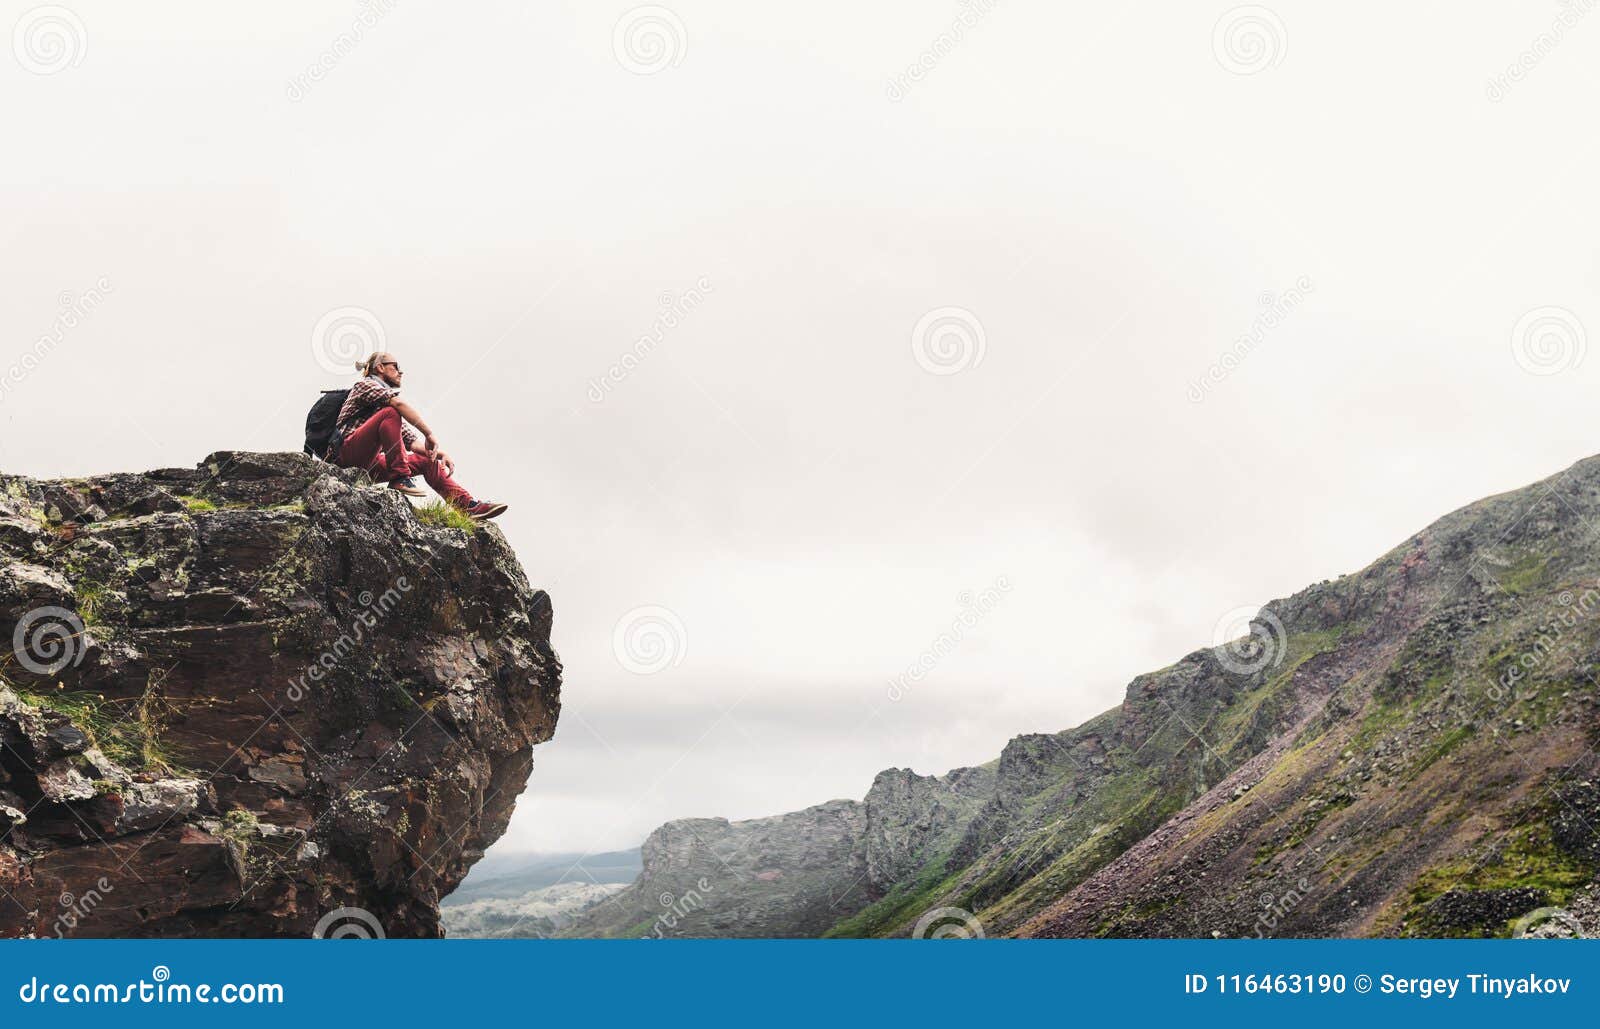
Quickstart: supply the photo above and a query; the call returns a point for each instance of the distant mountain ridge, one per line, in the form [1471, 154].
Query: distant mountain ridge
[537, 914]
[1406, 751]
[512, 875]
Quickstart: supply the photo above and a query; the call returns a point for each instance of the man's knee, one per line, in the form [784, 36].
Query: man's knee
[386, 414]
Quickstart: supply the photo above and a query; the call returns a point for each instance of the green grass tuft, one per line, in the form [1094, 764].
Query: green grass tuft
[442, 516]
[126, 731]
[240, 824]
[91, 601]
[1526, 574]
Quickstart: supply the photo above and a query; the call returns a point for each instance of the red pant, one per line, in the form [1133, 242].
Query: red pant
[377, 446]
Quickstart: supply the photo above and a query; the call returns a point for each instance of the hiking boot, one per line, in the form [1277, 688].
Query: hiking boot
[407, 485]
[483, 510]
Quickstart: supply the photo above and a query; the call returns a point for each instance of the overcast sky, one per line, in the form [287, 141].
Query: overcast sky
[947, 322]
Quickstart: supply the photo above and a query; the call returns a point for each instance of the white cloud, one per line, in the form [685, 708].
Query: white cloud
[1111, 203]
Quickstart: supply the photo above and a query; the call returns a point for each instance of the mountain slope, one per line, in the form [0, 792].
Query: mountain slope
[1406, 750]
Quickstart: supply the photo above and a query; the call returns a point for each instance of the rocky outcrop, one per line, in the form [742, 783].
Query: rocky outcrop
[789, 875]
[241, 696]
[912, 817]
[792, 875]
[1409, 750]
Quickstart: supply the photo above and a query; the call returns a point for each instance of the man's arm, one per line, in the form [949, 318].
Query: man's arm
[430, 444]
[410, 414]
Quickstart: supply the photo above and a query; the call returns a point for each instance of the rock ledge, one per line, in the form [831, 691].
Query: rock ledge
[238, 697]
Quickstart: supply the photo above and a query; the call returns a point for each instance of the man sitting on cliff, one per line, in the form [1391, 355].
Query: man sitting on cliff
[370, 434]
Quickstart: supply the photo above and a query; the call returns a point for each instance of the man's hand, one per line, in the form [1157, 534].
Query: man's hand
[430, 448]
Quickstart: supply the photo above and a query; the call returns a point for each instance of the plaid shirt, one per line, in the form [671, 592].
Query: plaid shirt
[367, 396]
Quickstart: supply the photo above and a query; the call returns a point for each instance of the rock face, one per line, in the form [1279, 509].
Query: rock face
[1406, 751]
[239, 697]
[790, 875]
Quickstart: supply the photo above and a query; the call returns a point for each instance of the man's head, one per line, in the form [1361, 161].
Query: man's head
[384, 366]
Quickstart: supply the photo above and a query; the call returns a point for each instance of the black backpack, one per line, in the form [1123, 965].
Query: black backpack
[320, 421]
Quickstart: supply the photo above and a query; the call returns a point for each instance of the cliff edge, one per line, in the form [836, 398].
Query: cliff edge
[259, 697]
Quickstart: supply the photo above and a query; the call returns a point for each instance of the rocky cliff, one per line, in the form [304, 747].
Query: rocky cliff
[241, 697]
[788, 875]
[1408, 750]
